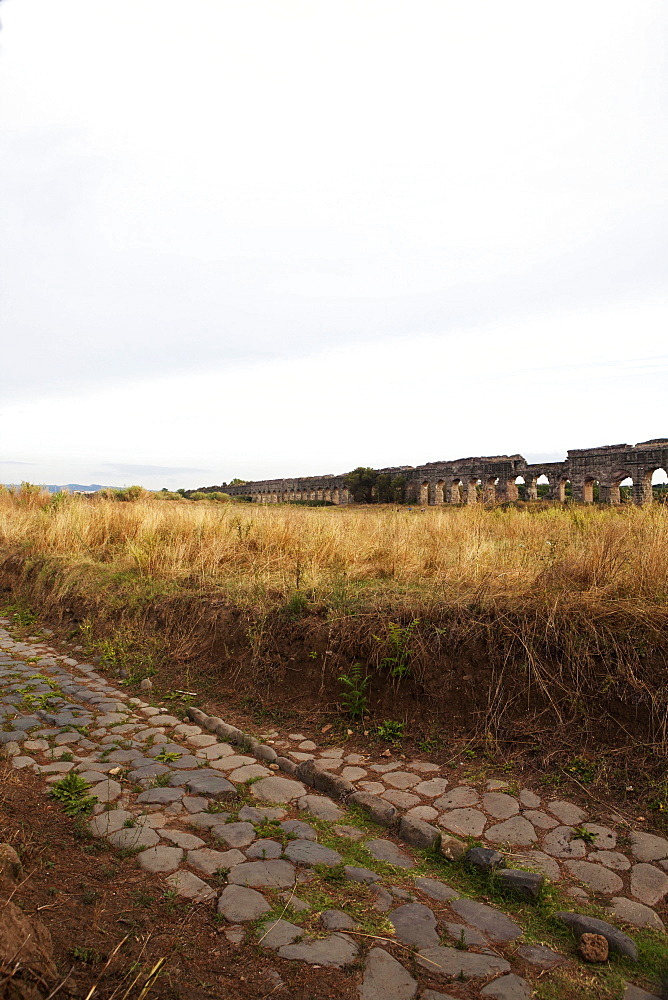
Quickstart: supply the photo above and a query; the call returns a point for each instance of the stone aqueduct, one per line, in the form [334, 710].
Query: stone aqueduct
[471, 480]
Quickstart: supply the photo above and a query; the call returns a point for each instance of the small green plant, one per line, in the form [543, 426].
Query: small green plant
[582, 833]
[354, 695]
[313, 655]
[335, 874]
[86, 955]
[296, 605]
[460, 943]
[397, 661]
[161, 780]
[583, 769]
[429, 745]
[141, 898]
[168, 756]
[23, 617]
[390, 730]
[71, 792]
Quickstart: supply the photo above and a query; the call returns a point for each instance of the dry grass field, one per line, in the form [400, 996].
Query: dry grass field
[383, 557]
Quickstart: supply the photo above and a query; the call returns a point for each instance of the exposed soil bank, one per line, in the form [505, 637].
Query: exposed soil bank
[596, 672]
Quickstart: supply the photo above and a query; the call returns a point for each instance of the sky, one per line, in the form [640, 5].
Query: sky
[291, 237]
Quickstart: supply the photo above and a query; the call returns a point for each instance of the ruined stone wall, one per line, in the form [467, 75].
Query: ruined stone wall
[490, 478]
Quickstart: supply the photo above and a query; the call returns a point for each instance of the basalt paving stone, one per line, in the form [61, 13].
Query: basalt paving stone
[491, 922]
[320, 806]
[210, 862]
[160, 796]
[567, 812]
[386, 979]
[190, 886]
[130, 838]
[453, 963]
[400, 779]
[537, 861]
[431, 788]
[277, 789]
[605, 838]
[435, 890]
[385, 850]
[611, 859]
[375, 787]
[540, 956]
[337, 920]
[194, 803]
[402, 799]
[213, 786]
[231, 763]
[255, 815]
[353, 773]
[20, 762]
[499, 805]
[463, 935]
[249, 771]
[465, 822]
[305, 852]
[263, 874]
[540, 819]
[458, 798]
[161, 859]
[426, 813]
[637, 914]
[299, 829]
[384, 768]
[185, 762]
[280, 933]
[636, 993]
[216, 751]
[187, 841]
[148, 771]
[264, 850]
[648, 884]
[596, 877]
[338, 950]
[648, 847]
[415, 925]
[238, 904]
[560, 843]
[235, 834]
[517, 830]
[510, 987]
[107, 790]
[205, 740]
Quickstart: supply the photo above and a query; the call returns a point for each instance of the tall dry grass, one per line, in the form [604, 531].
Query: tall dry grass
[262, 555]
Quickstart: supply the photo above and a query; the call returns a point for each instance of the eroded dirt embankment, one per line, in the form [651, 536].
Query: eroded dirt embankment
[571, 670]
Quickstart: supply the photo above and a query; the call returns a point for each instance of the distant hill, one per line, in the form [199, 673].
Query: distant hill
[71, 487]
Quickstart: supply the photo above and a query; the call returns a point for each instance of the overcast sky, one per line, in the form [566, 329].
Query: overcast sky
[284, 237]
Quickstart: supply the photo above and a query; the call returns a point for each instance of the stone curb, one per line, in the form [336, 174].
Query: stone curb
[416, 832]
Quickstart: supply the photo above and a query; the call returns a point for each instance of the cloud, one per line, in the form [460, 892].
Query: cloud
[10, 461]
[121, 468]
